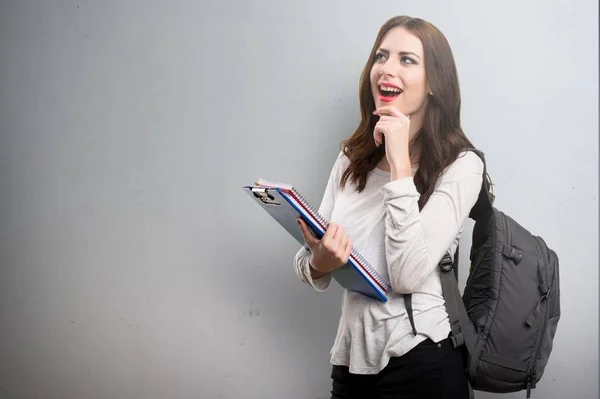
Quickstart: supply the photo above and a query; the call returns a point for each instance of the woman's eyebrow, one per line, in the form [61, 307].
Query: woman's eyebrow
[386, 52]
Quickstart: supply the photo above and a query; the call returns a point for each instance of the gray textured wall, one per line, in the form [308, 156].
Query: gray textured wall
[132, 264]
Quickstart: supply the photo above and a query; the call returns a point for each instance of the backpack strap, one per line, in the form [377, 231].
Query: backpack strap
[462, 330]
[409, 310]
[485, 201]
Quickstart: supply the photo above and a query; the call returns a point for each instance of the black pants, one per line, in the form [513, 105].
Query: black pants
[429, 371]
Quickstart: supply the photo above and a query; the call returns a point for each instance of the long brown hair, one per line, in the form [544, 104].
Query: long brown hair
[441, 138]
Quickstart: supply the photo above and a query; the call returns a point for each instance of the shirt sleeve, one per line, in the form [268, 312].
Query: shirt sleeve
[416, 241]
[302, 257]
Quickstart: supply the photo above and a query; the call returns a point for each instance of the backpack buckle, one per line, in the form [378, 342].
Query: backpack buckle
[457, 340]
[446, 263]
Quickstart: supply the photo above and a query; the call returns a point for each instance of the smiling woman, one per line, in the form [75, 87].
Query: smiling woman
[400, 192]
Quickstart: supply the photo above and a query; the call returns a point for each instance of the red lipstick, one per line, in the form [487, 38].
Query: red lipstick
[386, 96]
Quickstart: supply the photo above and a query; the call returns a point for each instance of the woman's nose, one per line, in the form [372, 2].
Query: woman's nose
[385, 70]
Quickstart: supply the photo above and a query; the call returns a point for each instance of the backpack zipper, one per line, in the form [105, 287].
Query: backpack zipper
[532, 372]
[531, 376]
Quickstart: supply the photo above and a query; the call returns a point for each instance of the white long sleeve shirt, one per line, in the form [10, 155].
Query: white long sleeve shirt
[405, 247]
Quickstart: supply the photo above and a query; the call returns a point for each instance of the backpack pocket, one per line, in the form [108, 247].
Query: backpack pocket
[495, 367]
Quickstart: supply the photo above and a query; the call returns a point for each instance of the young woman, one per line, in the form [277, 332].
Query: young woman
[400, 192]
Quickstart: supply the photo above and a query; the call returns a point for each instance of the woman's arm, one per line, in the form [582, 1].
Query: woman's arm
[319, 281]
[416, 241]
[302, 267]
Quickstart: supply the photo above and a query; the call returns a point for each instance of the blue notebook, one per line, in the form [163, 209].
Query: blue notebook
[285, 204]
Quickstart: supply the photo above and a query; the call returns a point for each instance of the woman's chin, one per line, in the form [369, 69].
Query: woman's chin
[395, 103]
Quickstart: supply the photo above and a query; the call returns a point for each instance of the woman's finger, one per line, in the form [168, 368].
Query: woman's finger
[310, 239]
[342, 247]
[389, 110]
[348, 250]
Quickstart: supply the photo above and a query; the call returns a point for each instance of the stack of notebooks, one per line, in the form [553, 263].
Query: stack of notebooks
[285, 204]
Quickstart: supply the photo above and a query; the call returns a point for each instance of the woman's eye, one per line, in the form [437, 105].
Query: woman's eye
[407, 60]
[379, 56]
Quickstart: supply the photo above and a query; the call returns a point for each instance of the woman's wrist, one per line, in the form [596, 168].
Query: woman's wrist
[314, 273]
[400, 171]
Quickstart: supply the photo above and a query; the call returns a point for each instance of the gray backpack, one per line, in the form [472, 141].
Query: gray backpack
[510, 308]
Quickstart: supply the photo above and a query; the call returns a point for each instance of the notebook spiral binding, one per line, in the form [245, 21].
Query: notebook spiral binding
[355, 253]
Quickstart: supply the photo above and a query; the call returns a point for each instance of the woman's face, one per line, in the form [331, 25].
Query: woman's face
[398, 75]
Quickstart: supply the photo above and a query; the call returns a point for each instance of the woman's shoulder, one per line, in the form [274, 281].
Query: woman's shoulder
[341, 162]
[466, 163]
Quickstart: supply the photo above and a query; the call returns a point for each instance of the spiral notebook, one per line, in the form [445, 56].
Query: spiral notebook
[285, 203]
